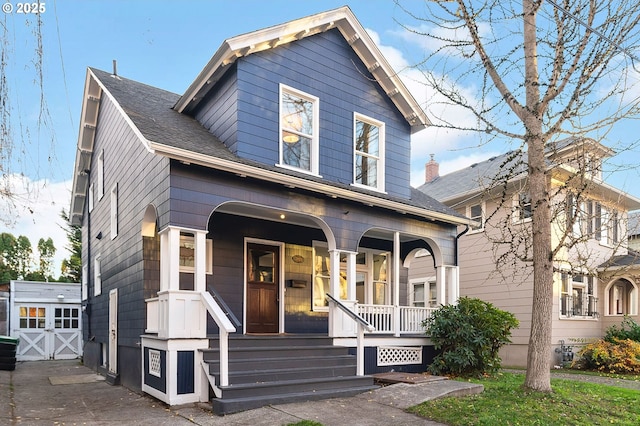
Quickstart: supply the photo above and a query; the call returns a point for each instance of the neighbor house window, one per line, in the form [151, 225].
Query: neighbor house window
[298, 130]
[622, 298]
[369, 152]
[114, 211]
[523, 206]
[476, 213]
[97, 276]
[423, 293]
[187, 254]
[577, 296]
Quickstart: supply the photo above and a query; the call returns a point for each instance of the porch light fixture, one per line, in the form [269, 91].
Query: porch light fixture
[60, 296]
[282, 216]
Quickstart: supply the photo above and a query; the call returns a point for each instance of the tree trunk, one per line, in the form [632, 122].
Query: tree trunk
[538, 374]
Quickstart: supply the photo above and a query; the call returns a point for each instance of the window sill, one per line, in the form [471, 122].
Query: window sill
[578, 318]
[296, 169]
[370, 188]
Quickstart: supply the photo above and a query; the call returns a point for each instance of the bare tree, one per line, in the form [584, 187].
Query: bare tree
[543, 71]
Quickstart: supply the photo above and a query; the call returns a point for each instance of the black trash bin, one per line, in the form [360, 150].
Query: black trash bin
[8, 347]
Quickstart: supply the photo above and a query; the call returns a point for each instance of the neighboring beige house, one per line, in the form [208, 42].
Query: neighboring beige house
[597, 277]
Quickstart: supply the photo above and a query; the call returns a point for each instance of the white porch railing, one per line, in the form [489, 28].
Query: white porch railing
[383, 318]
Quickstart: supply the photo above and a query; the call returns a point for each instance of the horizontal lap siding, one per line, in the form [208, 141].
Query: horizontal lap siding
[324, 66]
[142, 179]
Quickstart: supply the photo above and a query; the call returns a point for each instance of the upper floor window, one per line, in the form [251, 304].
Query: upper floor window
[97, 275]
[522, 207]
[100, 175]
[476, 213]
[298, 130]
[90, 198]
[114, 211]
[369, 152]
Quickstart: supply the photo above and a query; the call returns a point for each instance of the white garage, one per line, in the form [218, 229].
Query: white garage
[47, 318]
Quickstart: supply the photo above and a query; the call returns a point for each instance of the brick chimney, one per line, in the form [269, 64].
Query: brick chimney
[431, 170]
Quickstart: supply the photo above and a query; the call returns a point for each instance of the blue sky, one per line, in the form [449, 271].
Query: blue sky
[165, 44]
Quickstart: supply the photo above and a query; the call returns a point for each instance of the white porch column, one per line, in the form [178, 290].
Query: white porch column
[396, 283]
[200, 267]
[453, 284]
[170, 259]
[351, 275]
[441, 282]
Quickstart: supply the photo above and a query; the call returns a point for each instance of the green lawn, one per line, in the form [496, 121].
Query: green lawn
[504, 402]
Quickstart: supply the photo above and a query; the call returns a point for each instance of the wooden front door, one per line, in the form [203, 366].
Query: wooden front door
[262, 288]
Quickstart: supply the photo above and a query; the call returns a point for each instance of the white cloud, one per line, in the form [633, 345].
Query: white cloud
[35, 213]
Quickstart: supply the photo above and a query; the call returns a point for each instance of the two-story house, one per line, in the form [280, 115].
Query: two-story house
[252, 236]
[596, 277]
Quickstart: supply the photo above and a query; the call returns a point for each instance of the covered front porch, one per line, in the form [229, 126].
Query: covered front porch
[207, 276]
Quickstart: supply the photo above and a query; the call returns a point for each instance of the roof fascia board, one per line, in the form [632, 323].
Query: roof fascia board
[297, 182]
[351, 29]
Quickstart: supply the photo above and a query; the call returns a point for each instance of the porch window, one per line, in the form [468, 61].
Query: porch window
[622, 298]
[369, 152]
[577, 296]
[188, 256]
[380, 279]
[321, 279]
[299, 119]
[32, 317]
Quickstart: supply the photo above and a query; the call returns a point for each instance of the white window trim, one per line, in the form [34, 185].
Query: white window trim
[482, 217]
[101, 175]
[426, 281]
[97, 275]
[315, 139]
[381, 154]
[209, 255]
[114, 211]
[85, 283]
[584, 285]
[91, 203]
[367, 268]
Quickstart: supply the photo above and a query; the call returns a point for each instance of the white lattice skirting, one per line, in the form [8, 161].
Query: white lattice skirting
[396, 355]
[154, 363]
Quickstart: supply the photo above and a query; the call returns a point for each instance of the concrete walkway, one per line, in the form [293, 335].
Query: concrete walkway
[67, 393]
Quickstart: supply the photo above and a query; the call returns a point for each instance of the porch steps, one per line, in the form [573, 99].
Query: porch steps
[266, 370]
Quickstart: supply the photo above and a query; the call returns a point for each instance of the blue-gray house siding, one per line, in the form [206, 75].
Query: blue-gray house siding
[324, 66]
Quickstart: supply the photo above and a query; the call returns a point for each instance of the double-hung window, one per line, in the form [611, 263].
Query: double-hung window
[476, 213]
[299, 119]
[369, 152]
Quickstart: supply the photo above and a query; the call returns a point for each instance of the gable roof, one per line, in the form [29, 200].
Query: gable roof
[345, 21]
[164, 131]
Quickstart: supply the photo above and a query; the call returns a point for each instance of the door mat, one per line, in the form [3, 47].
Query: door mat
[75, 379]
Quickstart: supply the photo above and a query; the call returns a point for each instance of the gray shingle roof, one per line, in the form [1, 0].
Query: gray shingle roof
[476, 177]
[150, 109]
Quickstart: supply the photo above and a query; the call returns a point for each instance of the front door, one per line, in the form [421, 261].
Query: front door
[262, 288]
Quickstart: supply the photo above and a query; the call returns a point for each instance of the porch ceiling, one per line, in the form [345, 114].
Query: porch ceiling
[267, 213]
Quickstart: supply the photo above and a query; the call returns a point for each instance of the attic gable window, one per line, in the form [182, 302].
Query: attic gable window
[298, 130]
[369, 152]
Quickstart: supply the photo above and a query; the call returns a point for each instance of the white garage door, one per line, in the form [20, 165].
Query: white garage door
[48, 332]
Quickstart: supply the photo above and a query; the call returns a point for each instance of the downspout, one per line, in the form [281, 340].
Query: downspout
[87, 306]
[455, 247]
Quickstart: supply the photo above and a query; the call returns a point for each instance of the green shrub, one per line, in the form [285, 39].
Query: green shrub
[628, 329]
[468, 336]
[619, 356]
